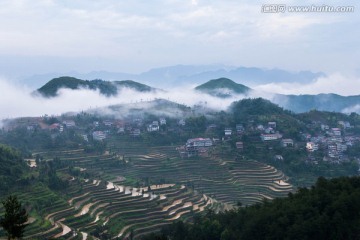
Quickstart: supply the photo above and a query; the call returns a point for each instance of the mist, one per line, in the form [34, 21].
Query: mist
[335, 83]
[18, 101]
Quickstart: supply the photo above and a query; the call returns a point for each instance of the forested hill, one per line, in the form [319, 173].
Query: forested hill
[106, 88]
[11, 167]
[329, 210]
[222, 87]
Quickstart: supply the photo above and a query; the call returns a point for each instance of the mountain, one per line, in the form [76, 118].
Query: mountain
[187, 74]
[39, 80]
[134, 85]
[322, 102]
[106, 88]
[253, 76]
[222, 87]
[255, 107]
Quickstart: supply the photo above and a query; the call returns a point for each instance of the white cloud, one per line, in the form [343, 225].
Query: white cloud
[16, 101]
[194, 2]
[355, 108]
[164, 32]
[335, 83]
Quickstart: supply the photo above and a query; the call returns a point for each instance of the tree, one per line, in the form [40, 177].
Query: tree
[14, 219]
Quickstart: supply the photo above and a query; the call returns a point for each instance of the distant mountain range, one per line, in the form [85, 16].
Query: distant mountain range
[221, 88]
[167, 77]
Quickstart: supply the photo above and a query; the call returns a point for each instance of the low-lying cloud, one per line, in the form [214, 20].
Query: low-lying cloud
[334, 83]
[354, 108]
[16, 101]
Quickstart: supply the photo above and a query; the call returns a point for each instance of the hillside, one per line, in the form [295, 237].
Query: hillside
[222, 87]
[11, 167]
[321, 102]
[51, 88]
[329, 210]
[136, 179]
[134, 85]
[255, 107]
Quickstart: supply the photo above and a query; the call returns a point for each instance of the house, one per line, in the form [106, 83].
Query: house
[138, 122]
[199, 142]
[181, 122]
[239, 128]
[278, 158]
[216, 140]
[211, 127]
[154, 127]
[108, 123]
[272, 125]
[324, 127]
[341, 147]
[96, 123]
[85, 137]
[228, 131]
[287, 142]
[197, 147]
[270, 137]
[54, 126]
[336, 131]
[162, 121]
[135, 132]
[311, 146]
[260, 127]
[239, 146]
[269, 130]
[30, 128]
[121, 130]
[69, 123]
[99, 135]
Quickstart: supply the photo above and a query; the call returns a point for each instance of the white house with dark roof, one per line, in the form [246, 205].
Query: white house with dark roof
[162, 121]
[99, 135]
[270, 137]
[69, 123]
[287, 142]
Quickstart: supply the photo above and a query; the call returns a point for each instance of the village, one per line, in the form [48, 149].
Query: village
[325, 143]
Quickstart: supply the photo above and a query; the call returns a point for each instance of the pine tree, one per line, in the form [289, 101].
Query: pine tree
[15, 218]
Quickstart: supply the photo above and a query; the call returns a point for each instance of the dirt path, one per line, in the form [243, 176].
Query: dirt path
[65, 228]
[71, 200]
[85, 209]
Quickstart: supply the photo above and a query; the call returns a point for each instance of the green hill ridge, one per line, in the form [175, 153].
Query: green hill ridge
[107, 88]
[222, 87]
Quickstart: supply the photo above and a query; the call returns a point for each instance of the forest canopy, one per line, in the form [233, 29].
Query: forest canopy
[328, 210]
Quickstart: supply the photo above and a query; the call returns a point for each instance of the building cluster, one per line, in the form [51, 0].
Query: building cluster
[196, 147]
[98, 130]
[332, 141]
[269, 132]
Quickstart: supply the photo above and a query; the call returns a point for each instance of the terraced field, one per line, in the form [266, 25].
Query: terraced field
[118, 210]
[137, 190]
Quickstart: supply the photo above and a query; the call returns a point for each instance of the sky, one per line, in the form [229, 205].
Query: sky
[132, 36]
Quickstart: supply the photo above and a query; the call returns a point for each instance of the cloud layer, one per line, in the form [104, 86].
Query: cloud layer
[19, 102]
[334, 83]
[136, 35]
